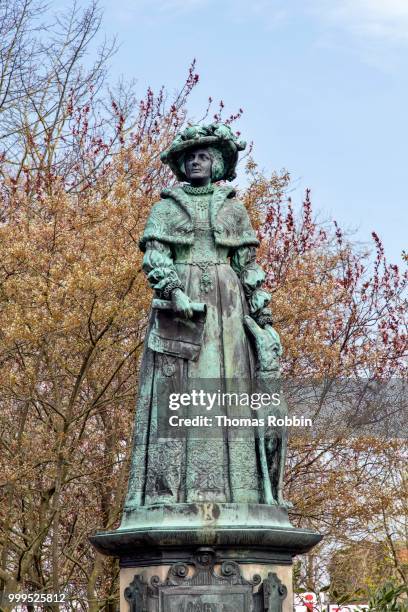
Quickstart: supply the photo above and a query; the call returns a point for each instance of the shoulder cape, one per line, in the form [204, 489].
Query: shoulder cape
[171, 220]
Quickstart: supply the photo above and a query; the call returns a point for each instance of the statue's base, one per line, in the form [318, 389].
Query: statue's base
[205, 584]
[222, 557]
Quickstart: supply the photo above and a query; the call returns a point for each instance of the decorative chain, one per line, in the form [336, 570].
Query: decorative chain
[170, 287]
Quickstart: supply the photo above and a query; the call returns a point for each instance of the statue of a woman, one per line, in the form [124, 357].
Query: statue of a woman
[199, 247]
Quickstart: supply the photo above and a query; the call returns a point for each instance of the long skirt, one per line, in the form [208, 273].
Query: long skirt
[218, 468]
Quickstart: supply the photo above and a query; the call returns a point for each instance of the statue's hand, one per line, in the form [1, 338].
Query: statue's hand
[181, 303]
[267, 345]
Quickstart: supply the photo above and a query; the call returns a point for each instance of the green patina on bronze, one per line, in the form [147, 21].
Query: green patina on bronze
[197, 504]
[216, 135]
[199, 247]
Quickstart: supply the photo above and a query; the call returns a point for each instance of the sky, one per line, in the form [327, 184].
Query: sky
[323, 85]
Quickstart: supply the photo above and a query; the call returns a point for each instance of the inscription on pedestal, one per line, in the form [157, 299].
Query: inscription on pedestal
[206, 599]
[198, 587]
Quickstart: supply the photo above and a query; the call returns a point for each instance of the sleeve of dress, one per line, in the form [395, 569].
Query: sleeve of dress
[159, 268]
[252, 276]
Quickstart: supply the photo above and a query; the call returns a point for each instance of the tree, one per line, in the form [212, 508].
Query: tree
[358, 568]
[78, 178]
[43, 80]
[342, 318]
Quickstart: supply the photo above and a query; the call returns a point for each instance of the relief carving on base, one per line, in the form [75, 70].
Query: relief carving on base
[197, 586]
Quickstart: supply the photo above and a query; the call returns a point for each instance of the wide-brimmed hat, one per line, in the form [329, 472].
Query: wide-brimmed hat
[217, 135]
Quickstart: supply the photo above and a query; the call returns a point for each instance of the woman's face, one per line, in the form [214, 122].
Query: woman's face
[197, 164]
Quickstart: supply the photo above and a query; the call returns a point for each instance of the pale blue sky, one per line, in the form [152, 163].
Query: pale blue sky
[323, 83]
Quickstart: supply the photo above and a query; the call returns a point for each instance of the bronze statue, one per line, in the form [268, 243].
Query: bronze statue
[200, 248]
[202, 510]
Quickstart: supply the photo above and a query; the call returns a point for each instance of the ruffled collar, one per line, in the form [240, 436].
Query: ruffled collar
[203, 190]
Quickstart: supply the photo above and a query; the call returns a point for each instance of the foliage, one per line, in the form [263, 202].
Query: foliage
[387, 598]
[78, 179]
[342, 317]
[359, 567]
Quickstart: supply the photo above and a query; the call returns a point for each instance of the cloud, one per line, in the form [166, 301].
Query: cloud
[132, 8]
[386, 19]
[184, 6]
[365, 20]
[271, 13]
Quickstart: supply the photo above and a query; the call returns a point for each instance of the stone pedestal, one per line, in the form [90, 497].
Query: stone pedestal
[207, 585]
[206, 558]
